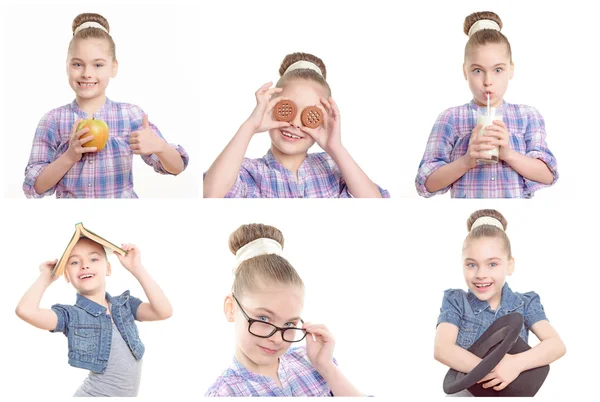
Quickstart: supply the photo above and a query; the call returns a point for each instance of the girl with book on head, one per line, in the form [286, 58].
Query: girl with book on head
[266, 305]
[487, 148]
[68, 159]
[465, 316]
[102, 335]
[297, 112]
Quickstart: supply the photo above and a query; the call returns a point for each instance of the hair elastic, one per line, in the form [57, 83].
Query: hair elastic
[487, 220]
[89, 24]
[483, 24]
[261, 246]
[304, 64]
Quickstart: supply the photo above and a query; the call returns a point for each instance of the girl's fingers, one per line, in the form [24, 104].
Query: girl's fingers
[326, 104]
[500, 387]
[89, 149]
[86, 139]
[81, 132]
[273, 90]
[273, 102]
[264, 87]
[492, 383]
[334, 106]
[74, 127]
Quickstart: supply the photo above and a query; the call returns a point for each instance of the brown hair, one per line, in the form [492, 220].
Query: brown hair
[303, 73]
[269, 267]
[484, 36]
[92, 32]
[488, 230]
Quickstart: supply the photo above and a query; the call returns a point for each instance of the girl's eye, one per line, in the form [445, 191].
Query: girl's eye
[74, 262]
[263, 318]
[499, 70]
[477, 70]
[99, 65]
[290, 324]
[95, 259]
[493, 264]
[76, 64]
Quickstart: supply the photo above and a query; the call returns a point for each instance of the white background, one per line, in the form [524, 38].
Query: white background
[149, 49]
[375, 276]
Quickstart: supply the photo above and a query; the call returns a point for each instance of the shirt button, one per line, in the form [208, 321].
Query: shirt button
[91, 162]
[300, 196]
[493, 178]
[89, 184]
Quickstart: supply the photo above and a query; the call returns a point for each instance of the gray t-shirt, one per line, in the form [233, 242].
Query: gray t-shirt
[122, 375]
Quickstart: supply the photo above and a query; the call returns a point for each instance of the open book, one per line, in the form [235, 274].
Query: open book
[80, 232]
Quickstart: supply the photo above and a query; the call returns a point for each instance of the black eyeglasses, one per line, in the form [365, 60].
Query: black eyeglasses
[263, 329]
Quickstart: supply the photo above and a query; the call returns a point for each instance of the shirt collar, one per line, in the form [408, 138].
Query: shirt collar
[474, 106]
[509, 301]
[100, 113]
[241, 371]
[94, 308]
[274, 164]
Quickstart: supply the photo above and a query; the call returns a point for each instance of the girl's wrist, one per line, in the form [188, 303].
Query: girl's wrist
[327, 371]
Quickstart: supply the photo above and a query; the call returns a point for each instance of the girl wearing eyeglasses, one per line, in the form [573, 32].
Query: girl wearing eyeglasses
[266, 306]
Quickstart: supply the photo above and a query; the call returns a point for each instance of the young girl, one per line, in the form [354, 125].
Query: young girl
[464, 316]
[102, 335]
[61, 162]
[524, 162]
[266, 306]
[287, 170]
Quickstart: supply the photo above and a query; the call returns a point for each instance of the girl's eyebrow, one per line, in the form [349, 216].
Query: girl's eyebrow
[495, 65]
[273, 314]
[77, 255]
[95, 60]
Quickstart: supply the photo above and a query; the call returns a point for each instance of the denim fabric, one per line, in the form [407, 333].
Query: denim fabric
[473, 316]
[88, 329]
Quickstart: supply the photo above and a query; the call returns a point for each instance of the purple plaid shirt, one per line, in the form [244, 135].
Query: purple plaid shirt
[297, 376]
[104, 174]
[449, 140]
[318, 177]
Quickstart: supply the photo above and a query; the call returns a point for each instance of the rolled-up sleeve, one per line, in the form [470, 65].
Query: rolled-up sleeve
[43, 153]
[536, 147]
[136, 116]
[533, 309]
[134, 304]
[62, 313]
[437, 153]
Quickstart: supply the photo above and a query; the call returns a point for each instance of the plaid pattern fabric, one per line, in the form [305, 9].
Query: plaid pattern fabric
[105, 174]
[318, 177]
[297, 376]
[449, 140]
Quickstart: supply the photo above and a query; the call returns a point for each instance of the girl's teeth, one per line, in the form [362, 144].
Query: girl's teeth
[483, 285]
[290, 135]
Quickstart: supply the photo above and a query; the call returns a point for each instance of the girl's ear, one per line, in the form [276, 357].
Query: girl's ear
[67, 277]
[464, 68]
[108, 269]
[229, 308]
[511, 266]
[115, 69]
[512, 70]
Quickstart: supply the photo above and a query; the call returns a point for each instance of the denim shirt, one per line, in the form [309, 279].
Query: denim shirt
[89, 329]
[473, 316]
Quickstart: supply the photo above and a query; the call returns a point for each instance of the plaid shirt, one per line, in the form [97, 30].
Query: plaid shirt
[297, 376]
[105, 174]
[318, 177]
[449, 140]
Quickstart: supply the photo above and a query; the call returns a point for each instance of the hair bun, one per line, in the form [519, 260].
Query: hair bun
[90, 17]
[248, 233]
[478, 16]
[492, 213]
[295, 57]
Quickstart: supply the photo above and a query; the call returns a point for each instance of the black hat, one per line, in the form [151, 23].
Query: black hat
[500, 338]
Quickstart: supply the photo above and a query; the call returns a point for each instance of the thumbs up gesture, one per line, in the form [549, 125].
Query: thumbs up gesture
[144, 141]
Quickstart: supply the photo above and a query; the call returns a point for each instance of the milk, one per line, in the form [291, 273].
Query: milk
[487, 120]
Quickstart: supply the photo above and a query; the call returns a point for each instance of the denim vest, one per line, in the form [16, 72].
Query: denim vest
[473, 316]
[89, 329]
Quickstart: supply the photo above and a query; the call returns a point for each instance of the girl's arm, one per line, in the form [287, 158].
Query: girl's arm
[550, 348]
[223, 173]
[158, 306]
[447, 352]
[359, 184]
[29, 309]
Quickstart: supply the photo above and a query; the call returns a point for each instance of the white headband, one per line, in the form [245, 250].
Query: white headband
[304, 64]
[89, 24]
[487, 220]
[483, 24]
[258, 247]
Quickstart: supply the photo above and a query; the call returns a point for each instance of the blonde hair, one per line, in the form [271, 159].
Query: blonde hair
[93, 32]
[303, 73]
[484, 36]
[486, 230]
[263, 268]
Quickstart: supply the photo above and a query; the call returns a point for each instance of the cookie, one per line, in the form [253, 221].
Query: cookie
[312, 117]
[284, 110]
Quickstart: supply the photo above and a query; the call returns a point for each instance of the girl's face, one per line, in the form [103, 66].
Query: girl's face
[303, 93]
[87, 267]
[485, 266]
[488, 69]
[277, 304]
[90, 66]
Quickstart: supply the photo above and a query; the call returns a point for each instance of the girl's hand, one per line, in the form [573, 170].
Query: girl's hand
[261, 118]
[498, 132]
[132, 261]
[328, 136]
[320, 348]
[144, 141]
[503, 374]
[76, 148]
[46, 270]
[478, 147]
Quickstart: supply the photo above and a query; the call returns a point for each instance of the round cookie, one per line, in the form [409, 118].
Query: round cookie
[312, 117]
[284, 110]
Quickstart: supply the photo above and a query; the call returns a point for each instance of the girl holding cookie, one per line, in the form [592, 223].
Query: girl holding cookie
[265, 306]
[101, 330]
[297, 112]
[502, 153]
[65, 159]
[465, 316]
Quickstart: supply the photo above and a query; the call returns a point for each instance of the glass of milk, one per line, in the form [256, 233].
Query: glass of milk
[487, 120]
